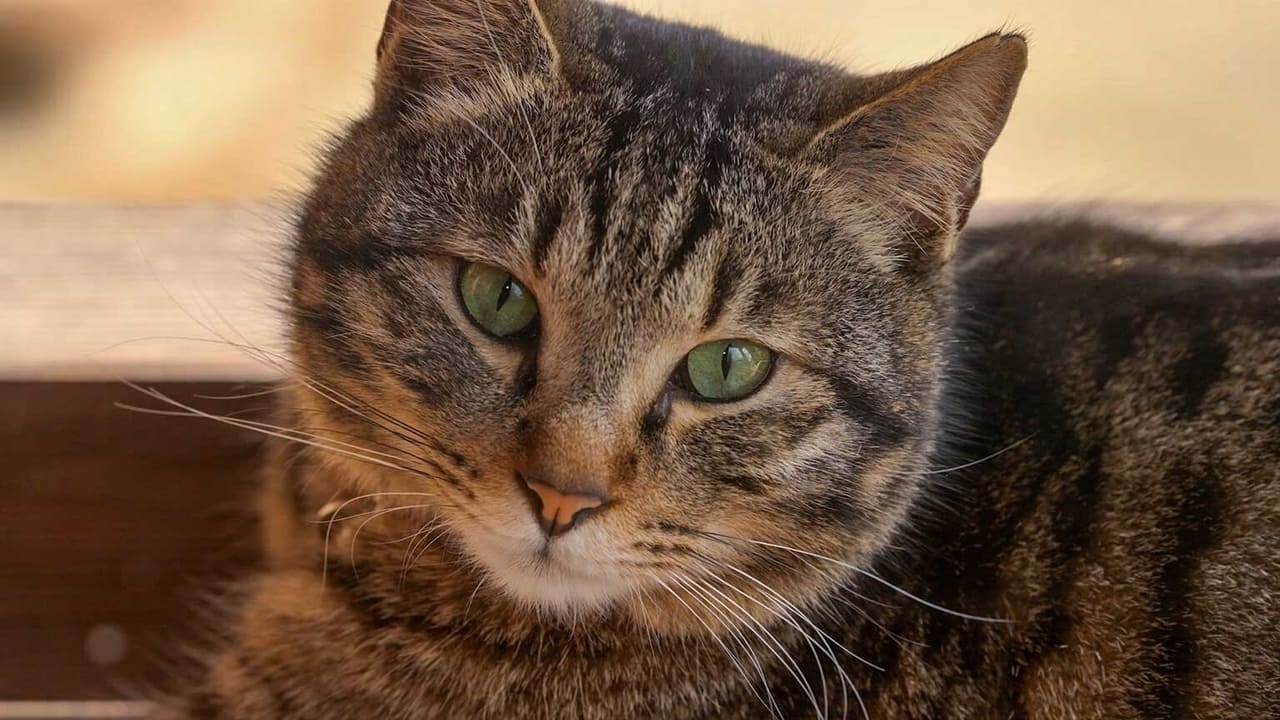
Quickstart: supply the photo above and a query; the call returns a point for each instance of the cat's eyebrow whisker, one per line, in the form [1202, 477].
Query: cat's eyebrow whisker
[864, 573]
[533, 140]
[524, 182]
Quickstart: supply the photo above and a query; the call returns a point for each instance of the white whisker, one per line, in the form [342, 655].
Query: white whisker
[865, 573]
[713, 635]
[979, 461]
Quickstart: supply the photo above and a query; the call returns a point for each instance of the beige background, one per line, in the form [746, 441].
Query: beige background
[180, 99]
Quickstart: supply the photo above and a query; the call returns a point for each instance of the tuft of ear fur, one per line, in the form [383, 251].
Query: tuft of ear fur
[914, 152]
[432, 49]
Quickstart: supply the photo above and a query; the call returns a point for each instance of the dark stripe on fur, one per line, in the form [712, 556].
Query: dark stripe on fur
[722, 288]
[362, 254]
[368, 605]
[866, 410]
[599, 183]
[527, 378]
[1116, 334]
[655, 421]
[550, 215]
[329, 330]
[1075, 512]
[745, 483]
[1196, 526]
[833, 508]
[379, 612]
[702, 216]
[1198, 370]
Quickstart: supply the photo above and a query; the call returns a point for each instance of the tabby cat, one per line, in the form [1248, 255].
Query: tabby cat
[643, 373]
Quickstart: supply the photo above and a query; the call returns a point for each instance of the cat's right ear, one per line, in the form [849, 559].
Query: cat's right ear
[432, 51]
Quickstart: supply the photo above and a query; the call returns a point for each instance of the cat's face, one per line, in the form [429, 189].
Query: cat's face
[549, 295]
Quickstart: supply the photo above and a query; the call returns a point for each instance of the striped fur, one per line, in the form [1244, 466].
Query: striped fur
[1031, 476]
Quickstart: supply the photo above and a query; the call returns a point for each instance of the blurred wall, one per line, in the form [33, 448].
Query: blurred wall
[162, 100]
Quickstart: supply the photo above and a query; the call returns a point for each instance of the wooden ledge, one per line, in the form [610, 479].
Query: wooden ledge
[151, 292]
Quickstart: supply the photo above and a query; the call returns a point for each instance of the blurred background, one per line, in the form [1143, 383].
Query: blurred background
[165, 100]
[145, 144]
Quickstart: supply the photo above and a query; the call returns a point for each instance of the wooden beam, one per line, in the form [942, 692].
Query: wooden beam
[158, 292]
[90, 292]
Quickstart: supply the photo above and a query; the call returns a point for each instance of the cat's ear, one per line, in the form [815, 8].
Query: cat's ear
[435, 49]
[913, 150]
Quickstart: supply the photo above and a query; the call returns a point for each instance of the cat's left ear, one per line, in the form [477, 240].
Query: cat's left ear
[435, 50]
[913, 152]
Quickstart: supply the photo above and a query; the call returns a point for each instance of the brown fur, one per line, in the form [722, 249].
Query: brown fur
[657, 186]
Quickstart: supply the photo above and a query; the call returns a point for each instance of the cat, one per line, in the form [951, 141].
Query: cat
[639, 372]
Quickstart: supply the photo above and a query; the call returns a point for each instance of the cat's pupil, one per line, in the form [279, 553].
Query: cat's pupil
[504, 294]
[726, 361]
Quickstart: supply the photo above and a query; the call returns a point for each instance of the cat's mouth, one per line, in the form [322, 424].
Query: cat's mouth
[567, 575]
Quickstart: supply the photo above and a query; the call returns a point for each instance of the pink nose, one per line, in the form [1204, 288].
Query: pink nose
[559, 511]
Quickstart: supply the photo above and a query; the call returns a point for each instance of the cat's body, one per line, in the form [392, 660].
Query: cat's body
[1124, 405]
[1039, 480]
[1120, 405]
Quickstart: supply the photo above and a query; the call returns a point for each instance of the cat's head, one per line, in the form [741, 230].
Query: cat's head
[634, 305]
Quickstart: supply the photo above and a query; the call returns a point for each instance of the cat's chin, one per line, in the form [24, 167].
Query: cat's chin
[565, 578]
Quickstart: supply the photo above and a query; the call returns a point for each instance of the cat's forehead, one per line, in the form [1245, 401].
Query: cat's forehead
[673, 221]
[636, 214]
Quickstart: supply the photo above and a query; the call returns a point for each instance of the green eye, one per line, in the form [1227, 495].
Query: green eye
[496, 301]
[727, 369]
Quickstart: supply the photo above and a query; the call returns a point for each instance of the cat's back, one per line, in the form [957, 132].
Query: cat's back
[1113, 314]
[1201, 320]
[1130, 389]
